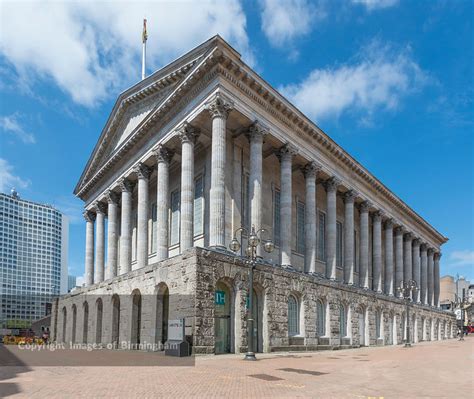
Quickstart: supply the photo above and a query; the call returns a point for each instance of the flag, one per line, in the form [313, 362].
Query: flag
[144, 34]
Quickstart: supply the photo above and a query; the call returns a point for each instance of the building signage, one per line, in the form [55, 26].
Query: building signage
[220, 298]
[176, 330]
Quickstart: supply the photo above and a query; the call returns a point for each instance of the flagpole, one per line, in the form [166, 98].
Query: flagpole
[144, 38]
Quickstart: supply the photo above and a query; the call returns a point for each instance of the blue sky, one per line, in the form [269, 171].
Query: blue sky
[391, 81]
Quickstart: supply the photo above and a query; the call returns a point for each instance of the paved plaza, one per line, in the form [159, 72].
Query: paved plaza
[441, 369]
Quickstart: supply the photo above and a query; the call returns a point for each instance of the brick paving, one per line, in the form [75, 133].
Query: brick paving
[441, 369]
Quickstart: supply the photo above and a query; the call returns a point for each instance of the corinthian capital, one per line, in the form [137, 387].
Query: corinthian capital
[99, 207]
[126, 185]
[188, 133]
[219, 106]
[163, 154]
[332, 184]
[89, 216]
[437, 255]
[286, 152]
[350, 196]
[408, 237]
[389, 223]
[257, 131]
[365, 206]
[400, 230]
[142, 171]
[311, 169]
[112, 197]
[378, 216]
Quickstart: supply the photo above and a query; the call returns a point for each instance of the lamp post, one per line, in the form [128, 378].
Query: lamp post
[405, 291]
[254, 240]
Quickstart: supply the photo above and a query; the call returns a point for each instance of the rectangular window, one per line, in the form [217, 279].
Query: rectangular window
[300, 244]
[322, 236]
[339, 244]
[199, 206]
[153, 228]
[174, 225]
[246, 200]
[276, 217]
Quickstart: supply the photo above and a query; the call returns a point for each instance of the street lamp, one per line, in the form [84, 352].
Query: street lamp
[460, 303]
[405, 291]
[254, 240]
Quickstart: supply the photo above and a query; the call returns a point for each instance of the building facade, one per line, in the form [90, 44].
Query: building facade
[203, 147]
[33, 259]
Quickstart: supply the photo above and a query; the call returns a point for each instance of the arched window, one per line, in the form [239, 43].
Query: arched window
[342, 321]
[378, 316]
[321, 318]
[293, 316]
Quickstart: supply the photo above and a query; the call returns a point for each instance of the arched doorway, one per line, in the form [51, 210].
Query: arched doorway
[414, 325]
[85, 329]
[223, 302]
[74, 322]
[64, 324]
[136, 317]
[98, 324]
[162, 313]
[423, 328]
[115, 320]
[257, 316]
[390, 328]
[361, 315]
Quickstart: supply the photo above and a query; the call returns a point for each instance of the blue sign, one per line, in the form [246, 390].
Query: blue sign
[219, 298]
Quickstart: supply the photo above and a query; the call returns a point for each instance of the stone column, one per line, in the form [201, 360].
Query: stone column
[349, 198]
[331, 220]
[286, 154]
[143, 173]
[255, 135]
[424, 274]
[89, 260]
[399, 231]
[430, 277]
[126, 226]
[219, 108]
[188, 136]
[309, 172]
[437, 257]
[389, 289]
[407, 253]
[364, 245]
[416, 268]
[99, 242]
[163, 159]
[377, 251]
[112, 234]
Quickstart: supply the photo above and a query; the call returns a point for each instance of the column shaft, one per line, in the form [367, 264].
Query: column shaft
[99, 243]
[430, 277]
[126, 227]
[436, 283]
[407, 260]
[286, 155]
[398, 257]
[364, 245]
[377, 250]
[424, 275]
[416, 268]
[219, 109]
[112, 234]
[163, 158]
[310, 217]
[143, 173]
[89, 258]
[349, 258]
[389, 289]
[331, 228]
[188, 138]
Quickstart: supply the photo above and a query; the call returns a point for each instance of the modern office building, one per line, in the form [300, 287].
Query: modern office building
[205, 146]
[33, 259]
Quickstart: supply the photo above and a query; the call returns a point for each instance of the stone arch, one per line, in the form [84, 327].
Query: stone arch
[136, 321]
[414, 328]
[85, 321]
[64, 314]
[403, 324]
[363, 324]
[438, 331]
[322, 317]
[225, 315]
[74, 323]
[115, 338]
[162, 313]
[393, 329]
[423, 328]
[295, 307]
[379, 325]
[260, 316]
[345, 322]
[99, 307]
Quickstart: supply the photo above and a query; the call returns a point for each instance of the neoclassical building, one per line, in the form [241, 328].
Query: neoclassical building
[205, 146]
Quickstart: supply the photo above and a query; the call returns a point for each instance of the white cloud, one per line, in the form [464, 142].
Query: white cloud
[72, 207]
[371, 5]
[8, 179]
[376, 79]
[284, 20]
[11, 124]
[91, 50]
[462, 258]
